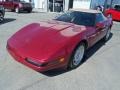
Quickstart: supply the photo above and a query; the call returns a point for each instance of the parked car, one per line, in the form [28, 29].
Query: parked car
[17, 5]
[61, 42]
[114, 12]
[2, 13]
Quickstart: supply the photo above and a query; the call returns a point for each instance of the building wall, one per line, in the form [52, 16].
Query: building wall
[39, 3]
[81, 4]
[95, 3]
[87, 4]
[43, 4]
[116, 2]
[113, 3]
[27, 0]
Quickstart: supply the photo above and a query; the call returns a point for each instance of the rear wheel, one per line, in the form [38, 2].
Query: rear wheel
[77, 56]
[106, 38]
[1, 17]
[29, 11]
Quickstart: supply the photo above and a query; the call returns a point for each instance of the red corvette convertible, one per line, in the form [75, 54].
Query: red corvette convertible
[61, 42]
[114, 12]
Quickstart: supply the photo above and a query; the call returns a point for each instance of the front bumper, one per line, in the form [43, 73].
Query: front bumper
[44, 68]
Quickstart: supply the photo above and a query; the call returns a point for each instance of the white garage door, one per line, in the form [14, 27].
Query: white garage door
[85, 4]
[39, 3]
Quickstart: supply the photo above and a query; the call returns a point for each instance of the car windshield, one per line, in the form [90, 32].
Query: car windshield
[117, 7]
[79, 18]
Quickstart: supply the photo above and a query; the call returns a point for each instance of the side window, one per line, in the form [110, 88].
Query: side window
[86, 19]
[100, 18]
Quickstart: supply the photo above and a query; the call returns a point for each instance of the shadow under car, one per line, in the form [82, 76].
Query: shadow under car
[7, 20]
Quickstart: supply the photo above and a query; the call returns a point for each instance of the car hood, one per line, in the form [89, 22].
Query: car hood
[41, 40]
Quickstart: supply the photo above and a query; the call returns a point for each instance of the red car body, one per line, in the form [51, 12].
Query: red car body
[115, 12]
[13, 4]
[51, 43]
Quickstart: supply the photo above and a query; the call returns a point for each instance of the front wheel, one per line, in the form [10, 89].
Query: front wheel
[77, 56]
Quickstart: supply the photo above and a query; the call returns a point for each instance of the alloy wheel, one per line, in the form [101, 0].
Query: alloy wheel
[77, 56]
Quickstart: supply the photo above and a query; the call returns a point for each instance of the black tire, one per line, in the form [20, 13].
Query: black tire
[107, 36]
[12, 10]
[71, 64]
[29, 11]
[1, 17]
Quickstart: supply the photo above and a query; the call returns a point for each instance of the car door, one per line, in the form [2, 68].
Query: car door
[101, 26]
[91, 36]
[91, 32]
[87, 23]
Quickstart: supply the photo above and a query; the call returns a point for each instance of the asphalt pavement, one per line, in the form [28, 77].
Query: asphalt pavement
[100, 71]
